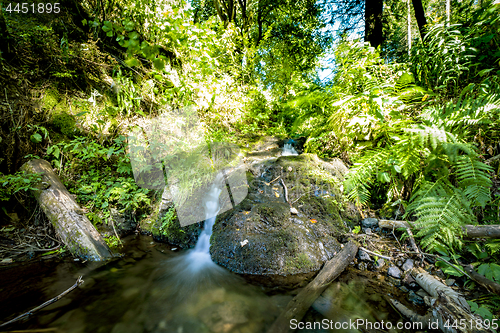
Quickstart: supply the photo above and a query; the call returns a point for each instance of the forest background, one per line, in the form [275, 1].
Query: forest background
[412, 106]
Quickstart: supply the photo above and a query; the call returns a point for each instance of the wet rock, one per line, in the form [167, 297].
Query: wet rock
[369, 222]
[363, 255]
[362, 266]
[124, 222]
[393, 281]
[377, 265]
[283, 249]
[449, 282]
[394, 272]
[410, 282]
[408, 264]
[415, 299]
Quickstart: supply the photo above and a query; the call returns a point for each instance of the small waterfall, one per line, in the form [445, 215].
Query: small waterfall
[199, 257]
[288, 150]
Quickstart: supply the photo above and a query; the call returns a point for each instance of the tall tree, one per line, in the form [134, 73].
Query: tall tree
[420, 16]
[373, 22]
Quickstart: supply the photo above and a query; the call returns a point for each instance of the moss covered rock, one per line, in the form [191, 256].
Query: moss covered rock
[64, 123]
[262, 240]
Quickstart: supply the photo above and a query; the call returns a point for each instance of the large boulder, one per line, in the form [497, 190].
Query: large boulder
[262, 240]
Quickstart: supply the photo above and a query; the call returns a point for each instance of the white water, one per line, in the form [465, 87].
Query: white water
[288, 150]
[199, 257]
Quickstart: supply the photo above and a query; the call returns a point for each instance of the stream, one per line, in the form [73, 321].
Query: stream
[153, 288]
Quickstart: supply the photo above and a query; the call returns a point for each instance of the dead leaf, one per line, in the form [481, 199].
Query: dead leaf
[313, 221]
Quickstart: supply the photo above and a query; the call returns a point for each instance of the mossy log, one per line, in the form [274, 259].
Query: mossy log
[68, 219]
[298, 306]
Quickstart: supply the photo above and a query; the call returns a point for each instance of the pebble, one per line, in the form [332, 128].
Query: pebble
[368, 231]
[363, 255]
[379, 264]
[415, 299]
[293, 211]
[369, 222]
[394, 272]
[408, 264]
[449, 282]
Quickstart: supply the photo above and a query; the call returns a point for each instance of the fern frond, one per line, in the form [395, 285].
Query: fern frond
[440, 217]
[360, 177]
[473, 176]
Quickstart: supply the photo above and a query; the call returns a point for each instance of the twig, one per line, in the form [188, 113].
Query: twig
[275, 179]
[286, 191]
[375, 254]
[53, 300]
[114, 229]
[441, 258]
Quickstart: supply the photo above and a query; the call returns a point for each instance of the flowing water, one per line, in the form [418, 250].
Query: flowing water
[151, 289]
[288, 150]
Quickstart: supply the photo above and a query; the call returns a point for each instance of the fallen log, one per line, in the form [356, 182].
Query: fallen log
[487, 283]
[449, 312]
[298, 306]
[433, 287]
[68, 219]
[471, 231]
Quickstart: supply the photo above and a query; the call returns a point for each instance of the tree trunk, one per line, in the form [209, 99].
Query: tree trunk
[6, 47]
[68, 219]
[420, 16]
[298, 306]
[373, 22]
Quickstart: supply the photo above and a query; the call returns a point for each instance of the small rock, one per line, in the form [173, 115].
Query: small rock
[369, 222]
[394, 272]
[368, 231]
[415, 299]
[293, 211]
[449, 282]
[379, 264]
[408, 264]
[393, 281]
[399, 263]
[245, 242]
[363, 255]
[362, 266]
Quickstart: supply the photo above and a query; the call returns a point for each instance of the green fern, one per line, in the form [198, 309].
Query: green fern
[472, 175]
[360, 178]
[441, 210]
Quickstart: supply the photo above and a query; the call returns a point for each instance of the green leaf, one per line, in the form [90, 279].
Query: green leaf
[131, 62]
[495, 270]
[36, 138]
[159, 64]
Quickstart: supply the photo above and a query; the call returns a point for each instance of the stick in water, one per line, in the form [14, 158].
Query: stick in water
[78, 283]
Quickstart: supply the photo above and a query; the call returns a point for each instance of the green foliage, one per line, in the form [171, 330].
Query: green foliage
[113, 242]
[167, 221]
[17, 182]
[64, 123]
